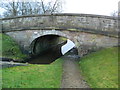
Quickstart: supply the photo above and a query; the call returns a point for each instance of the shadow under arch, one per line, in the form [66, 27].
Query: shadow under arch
[46, 48]
[46, 39]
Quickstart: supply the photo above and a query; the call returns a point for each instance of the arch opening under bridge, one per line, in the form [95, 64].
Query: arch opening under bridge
[47, 48]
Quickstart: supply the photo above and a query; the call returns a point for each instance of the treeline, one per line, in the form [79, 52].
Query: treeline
[17, 8]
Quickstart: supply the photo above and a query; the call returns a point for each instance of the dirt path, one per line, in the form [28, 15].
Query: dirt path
[71, 74]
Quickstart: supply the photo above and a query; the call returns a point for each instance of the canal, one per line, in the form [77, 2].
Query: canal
[53, 53]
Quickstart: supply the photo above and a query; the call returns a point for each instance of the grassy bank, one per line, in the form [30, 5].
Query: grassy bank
[33, 76]
[9, 48]
[100, 68]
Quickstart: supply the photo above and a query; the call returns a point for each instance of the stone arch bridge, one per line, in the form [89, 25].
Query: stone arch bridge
[88, 32]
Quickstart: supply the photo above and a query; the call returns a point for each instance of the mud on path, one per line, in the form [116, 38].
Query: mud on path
[71, 74]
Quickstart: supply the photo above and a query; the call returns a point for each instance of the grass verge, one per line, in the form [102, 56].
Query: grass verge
[9, 48]
[100, 68]
[33, 76]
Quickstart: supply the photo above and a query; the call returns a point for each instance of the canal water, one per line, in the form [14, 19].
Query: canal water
[53, 53]
[45, 58]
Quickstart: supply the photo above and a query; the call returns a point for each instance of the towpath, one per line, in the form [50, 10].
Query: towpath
[71, 77]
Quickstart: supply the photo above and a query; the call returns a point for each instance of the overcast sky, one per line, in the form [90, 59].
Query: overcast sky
[101, 7]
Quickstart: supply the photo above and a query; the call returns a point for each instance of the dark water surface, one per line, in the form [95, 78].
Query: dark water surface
[50, 55]
[47, 56]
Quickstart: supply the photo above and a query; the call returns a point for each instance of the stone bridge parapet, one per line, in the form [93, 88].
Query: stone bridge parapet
[65, 21]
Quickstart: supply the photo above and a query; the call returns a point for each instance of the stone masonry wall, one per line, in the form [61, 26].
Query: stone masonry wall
[81, 22]
[85, 42]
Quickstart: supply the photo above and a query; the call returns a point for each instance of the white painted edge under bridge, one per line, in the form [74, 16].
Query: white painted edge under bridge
[68, 46]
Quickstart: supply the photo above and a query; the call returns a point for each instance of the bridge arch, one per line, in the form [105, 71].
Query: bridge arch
[49, 46]
[38, 33]
[83, 41]
[48, 37]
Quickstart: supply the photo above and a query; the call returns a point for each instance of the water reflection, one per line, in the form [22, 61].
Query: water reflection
[47, 56]
[52, 54]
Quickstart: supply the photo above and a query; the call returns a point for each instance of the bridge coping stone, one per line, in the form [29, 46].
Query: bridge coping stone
[63, 14]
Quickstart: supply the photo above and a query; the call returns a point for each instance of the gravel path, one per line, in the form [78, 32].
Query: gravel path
[71, 74]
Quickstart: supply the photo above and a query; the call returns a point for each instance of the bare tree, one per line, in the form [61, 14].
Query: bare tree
[11, 8]
[28, 8]
[114, 14]
[52, 7]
